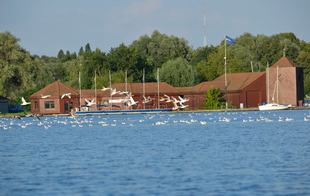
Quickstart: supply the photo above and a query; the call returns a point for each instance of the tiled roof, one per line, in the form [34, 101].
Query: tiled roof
[237, 81]
[150, 87]
[56, 89]
[284, 62]
[184, 89]
[204, 86]
[92, 92]
[4, 99]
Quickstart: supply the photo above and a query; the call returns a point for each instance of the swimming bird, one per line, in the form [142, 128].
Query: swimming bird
[44, 96]
[90, 103]
[24, 102]
[66, 94]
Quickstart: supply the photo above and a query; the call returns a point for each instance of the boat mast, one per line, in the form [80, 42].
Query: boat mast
[110, 90]
[267, 75]
[95, 92]
[277, 84]
[80, 89]
[126, 87]
[158, 87]
[143, 88]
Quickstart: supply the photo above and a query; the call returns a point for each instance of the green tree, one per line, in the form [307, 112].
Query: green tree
[81, 51]
[214, 99]
[60, 54]
[93, 62]
[87, 48]
[159, 48]
[199, 62]
[303, 60]
[177, 72]
[125, 58]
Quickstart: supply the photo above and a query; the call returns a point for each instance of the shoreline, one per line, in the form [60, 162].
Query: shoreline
[165, 112]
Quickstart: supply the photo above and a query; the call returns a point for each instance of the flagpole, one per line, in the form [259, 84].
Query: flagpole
[225, 72]
[80, 89]
[95, 92]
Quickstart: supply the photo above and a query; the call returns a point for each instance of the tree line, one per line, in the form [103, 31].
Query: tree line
[179, 64]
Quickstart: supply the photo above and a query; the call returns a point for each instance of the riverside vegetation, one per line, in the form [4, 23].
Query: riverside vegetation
[180, 65]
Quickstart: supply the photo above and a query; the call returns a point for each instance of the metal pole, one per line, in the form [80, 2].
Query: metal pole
[158, 87]
[277, 84]
[225, 73]
[144, 88]
[95, 92]
[267, 75]
[110, 90]
[80, 90]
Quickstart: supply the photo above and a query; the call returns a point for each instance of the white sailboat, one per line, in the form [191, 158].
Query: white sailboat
[272, 106]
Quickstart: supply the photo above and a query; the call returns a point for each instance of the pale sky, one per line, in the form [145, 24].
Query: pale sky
[46, 26]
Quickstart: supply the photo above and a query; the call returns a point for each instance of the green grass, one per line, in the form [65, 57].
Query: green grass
[12, 114]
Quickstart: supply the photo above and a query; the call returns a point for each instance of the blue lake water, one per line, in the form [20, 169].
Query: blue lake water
[227, 153]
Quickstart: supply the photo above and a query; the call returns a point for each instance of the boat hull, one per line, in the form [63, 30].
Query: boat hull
[272, 106]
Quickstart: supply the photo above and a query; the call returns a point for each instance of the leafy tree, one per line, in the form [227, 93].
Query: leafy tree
[125, 58]
[303, 60]
[19, 70]
[214, 99]
[92, 63]
[202, 54]
[61, 54]
[199, 61]
[81, 51]
[87, 48]
[159, 48]
[177, 72]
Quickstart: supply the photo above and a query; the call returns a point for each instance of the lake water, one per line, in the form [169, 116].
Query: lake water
[227, 153]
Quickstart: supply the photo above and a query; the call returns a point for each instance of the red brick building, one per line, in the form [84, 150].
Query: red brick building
[246, 89]
[288, 87]
[48, 100]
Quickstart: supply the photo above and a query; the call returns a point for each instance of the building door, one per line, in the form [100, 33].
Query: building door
[253, 99]
[66, 106]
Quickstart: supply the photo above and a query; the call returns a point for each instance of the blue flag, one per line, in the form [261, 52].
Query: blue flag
[229, 40]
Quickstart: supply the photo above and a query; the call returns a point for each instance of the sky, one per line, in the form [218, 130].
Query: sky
[46, 26]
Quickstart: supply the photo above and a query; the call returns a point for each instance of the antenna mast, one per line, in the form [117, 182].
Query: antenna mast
[204, 19]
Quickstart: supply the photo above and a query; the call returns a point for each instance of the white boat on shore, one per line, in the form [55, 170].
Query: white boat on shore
[272, 106]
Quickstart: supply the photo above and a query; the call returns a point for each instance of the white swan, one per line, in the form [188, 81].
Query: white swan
[90, 103]
[66, 94]
[183, 100]
[114, 92]
[183, 106]
[104, 88]
[24, 102]
[168, 98]
[44, 96]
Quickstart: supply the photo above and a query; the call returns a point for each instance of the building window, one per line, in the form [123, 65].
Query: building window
[66, 106]
[36, 105]
[71, 105]
[49, 104]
